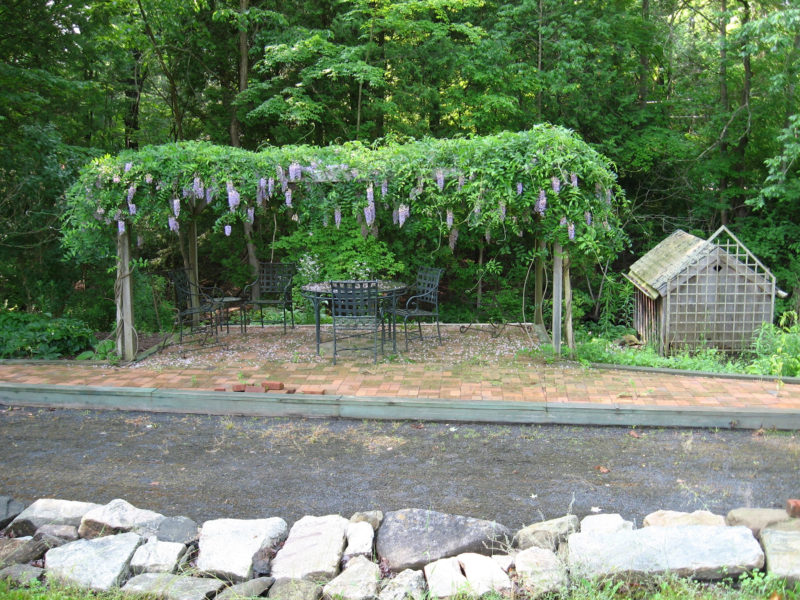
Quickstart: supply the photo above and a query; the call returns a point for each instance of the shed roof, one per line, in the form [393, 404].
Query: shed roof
[654, 270]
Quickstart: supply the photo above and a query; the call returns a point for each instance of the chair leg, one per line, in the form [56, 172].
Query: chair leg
[419, 326]
[438, 331]
[291, 312]
[405, 331]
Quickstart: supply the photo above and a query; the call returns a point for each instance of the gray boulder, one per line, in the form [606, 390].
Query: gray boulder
[756, 518]
[445, 578]
[295, 589]
[540, 571]
[157, 557]
[412, 538]
[21, 575]
[313, 550]
[782, 550]
[68, 533]
[9, 509]
[483, 574]
[406, 584]
[697, 551]
[165, 586]
[359, 581]
[605, 523]
[227, 546]
[547, 534]
[49, 511]
[181, 530]
[360, 537]
[118, 516]
[252, 588]
[9, 547]
[98, 564]
[30, 549]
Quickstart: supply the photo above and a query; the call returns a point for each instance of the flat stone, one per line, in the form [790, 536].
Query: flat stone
[49, 511]
[609, 523]
[412, 537]
[227, 546]
[540, 571]
[790, 525]
[29, 550]
[166, 586]
[313, 549]
[254, 588]
[406, 584]
[697, 551]
[68, 533]
[756, 518]
[156, 556]
[445, 578]
[360, 538]
[8, 546]
[118, 516]
[373, 517]
[21, 575]
[674, 518]
[782, 551]
[295, 589]
[359, 581]
[547, 534]
[181, 530]
[483, 574]
[98, 564]
[9, 509]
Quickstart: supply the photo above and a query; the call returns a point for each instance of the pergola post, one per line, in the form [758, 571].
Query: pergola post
[123, 296]
[558, 282]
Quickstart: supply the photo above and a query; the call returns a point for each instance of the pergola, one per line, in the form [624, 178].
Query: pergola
[544, 181]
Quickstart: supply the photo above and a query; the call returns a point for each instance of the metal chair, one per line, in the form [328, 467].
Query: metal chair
[423, 302]
[193, 307]
[356, 313]
[272, 287]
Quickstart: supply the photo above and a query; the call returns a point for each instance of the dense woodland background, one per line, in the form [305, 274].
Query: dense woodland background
[695, 101]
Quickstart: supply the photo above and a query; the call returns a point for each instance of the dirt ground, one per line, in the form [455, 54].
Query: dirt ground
[210, 467]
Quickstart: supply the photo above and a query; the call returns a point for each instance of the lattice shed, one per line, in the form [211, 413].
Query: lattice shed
[693, 293]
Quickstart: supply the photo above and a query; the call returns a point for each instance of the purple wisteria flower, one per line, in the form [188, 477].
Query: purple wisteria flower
[228, 230]
[115, 178]
[573, 179]
[295, 218]
[608, 197]
[440, 179]
[251, 214]
[453, 238]
[128, 166]
[233, 197]
[288, 196]
[337, 216]
[295, 172]
[369, 213]
[270, 186]
[571, 230]
[132, 208]
[384, 188]
[176, 207]
[131, 193]
[324, 219]
[556, 183]
[502, 208]
[395, 216]
[148, 178]
[449, 218]
[460, 181]
[121, 227]
[173, 224]
[185, 192]
[403, 213]
[209, 195]
[541, 203]
[563, 221]
[598, 190]
[197, 189]
[520, 188]
[588, 216]
[370, 195]
[261, 191]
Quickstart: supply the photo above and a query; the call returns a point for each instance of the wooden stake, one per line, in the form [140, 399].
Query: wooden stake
[123, 296]
[557, 296]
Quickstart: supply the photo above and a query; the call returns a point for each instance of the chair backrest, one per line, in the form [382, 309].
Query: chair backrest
[354, 299]
[179, 279]
[427, 284]
[275, 278]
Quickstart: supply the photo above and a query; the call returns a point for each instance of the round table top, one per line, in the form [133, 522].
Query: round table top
[385, 286]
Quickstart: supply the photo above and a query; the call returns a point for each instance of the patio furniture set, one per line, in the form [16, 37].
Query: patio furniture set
[360, 309]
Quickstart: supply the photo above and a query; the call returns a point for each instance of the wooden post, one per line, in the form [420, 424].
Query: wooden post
[123, 296]
[557, 296]
[568, 332]
[538, 289]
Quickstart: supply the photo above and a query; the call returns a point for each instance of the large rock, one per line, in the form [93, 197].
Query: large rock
[695, 551]
[30, 549]
[9, 509]
[373, 517]
[547, 534]
[21, 575]
[483, 574]
[609, 523]
[253, 588]
[166, 586]
[412, 537]
[445, 578]
[540, 571]
[99, 564]
[406, 584]
[118, 516]
[294, 589]
[756, 518]
[181, 530]
[9, 547]
[68, 533]
[49, 511]
[360, 537]
[227, 546]
[313, 549]
[157, 557]
[674, 518]
[359, 581]
[782, 550]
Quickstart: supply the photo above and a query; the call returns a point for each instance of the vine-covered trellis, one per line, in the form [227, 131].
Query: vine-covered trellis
[545, 180]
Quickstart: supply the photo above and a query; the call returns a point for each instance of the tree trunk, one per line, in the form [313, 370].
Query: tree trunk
[244, 67]
[568, 330]
[644, 60]
[538, 290]
[724, 101]
[133, 95]
[558, 280]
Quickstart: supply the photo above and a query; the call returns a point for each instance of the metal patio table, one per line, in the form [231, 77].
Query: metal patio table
[319, 293]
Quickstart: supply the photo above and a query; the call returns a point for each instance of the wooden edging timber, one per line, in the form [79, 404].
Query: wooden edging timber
[351, 407]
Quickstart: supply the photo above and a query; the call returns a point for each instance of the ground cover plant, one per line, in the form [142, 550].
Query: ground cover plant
[36, 335]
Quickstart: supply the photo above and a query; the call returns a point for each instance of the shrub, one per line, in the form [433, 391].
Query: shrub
[777, 348]
[39, 335]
